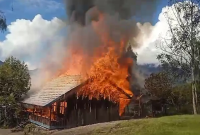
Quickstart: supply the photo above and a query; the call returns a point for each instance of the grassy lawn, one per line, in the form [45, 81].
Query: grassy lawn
[173, 125]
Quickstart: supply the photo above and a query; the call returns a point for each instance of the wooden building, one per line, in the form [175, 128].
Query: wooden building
[57, 106]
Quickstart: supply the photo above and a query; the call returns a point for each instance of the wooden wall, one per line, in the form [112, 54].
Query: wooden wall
[81, 112]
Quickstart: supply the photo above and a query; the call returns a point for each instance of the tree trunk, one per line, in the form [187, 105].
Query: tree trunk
[5, 115]
[198, 70]
[194, 99]
[194, 84]
[195, 94]
[193, 63]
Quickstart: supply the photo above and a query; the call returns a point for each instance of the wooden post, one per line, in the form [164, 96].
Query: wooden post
[33, 114]
[153, 114]
[139, 108]
[77, 111]
[42, 120]
[140, 104]
[83, 116]
[111, 110]
[90, 103]
[65, 115]
[95, 110]
[118, 110]
[109, 105]
[50, 116]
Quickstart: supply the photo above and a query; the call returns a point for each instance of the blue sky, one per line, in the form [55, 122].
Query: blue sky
[27, 9]
[28, 35]
[161, 4]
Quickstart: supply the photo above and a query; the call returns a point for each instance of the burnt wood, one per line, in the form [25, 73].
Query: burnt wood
[79, 112]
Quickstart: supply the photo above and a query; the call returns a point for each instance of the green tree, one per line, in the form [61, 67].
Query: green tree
[14, 83]
[3, 25]
[180, 50]
[181, 97]
[159, 85]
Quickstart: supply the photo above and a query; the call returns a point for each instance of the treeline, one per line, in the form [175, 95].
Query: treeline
[14, 84]
[177, 97]
[179, 83]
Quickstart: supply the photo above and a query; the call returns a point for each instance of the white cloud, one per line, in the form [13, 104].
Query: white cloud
[29, 40]
[149, 50]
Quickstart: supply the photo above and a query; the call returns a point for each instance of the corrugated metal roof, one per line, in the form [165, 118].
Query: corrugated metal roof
[54, 89]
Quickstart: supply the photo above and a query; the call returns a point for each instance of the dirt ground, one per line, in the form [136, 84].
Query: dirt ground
[83, 130]
[8, 132]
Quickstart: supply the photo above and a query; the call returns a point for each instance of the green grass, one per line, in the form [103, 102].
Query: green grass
[171, 125]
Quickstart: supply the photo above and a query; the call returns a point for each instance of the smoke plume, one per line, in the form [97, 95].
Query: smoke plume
[126, 9]
[92, 20]
[120, 22]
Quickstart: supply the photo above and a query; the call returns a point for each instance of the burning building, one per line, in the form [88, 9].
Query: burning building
[93, 84]
[69, 101]
[64, 103]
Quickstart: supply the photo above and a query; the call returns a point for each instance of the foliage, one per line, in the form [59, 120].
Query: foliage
[3, 25]
[14, 78]
[178, 97]
[182, 94]
[14, 83]
[159, 85]
[181, 98]
[31, 129]
[183, 34]
[181, 52]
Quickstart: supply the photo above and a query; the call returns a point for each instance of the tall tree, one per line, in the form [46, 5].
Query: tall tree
[180, 51]
[14, 83]
[159, 85]
[3, 25]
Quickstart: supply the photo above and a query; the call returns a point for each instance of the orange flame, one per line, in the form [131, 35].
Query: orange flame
[106, 70]
[108, 79]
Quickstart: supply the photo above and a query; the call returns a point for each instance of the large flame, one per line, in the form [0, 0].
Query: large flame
[108, 78]
[105, 70]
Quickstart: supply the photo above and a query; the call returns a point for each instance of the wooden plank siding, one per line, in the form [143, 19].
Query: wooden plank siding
[79, 112]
